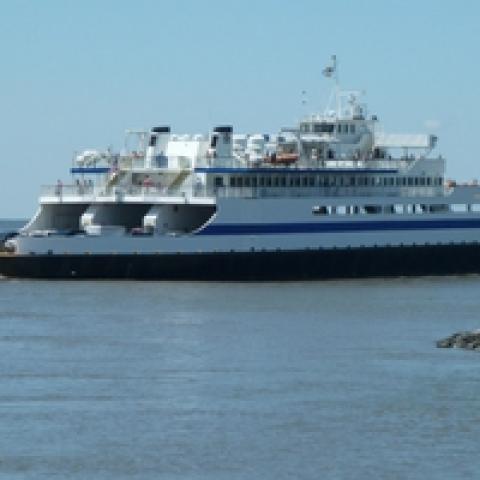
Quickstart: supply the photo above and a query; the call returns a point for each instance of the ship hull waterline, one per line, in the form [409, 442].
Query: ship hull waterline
[310, 264]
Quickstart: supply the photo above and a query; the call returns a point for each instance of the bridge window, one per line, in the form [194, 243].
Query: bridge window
[323, 128]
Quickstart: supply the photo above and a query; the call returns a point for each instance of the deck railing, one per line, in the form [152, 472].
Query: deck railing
[74, 192]
[139, 193]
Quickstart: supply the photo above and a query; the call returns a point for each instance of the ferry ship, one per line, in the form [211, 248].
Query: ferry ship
[333, 197]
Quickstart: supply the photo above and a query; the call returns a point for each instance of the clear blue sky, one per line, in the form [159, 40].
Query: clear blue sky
[76, 74]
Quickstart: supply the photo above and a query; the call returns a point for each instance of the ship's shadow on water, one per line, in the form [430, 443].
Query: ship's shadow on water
[330, 379]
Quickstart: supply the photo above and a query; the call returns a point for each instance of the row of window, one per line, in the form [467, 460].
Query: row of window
[328, 128]
[328, 181]
[393, 209]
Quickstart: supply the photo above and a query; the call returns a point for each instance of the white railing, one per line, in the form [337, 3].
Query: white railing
[340, 163]
[75, 193]
[67, 190]
[272, 192]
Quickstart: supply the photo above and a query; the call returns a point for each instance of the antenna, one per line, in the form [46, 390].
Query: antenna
[346, 101]
[332, 71]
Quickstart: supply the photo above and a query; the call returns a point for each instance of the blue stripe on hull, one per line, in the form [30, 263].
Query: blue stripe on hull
[330, 227]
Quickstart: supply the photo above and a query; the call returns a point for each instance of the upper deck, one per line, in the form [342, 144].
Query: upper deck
[339, 152]
[210, 179]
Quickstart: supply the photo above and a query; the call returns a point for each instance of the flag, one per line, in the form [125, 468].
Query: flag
[330, 70]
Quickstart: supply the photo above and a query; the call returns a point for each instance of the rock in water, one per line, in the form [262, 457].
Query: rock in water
[468, 340]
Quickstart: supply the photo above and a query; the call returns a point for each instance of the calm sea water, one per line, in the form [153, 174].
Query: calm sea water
[10, 225]
[330, 380]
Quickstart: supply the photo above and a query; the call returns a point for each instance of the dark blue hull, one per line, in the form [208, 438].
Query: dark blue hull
[252, 266]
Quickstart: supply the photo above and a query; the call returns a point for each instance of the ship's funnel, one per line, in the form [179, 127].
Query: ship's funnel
[157, 147]
[160, 130]
[221, 141]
